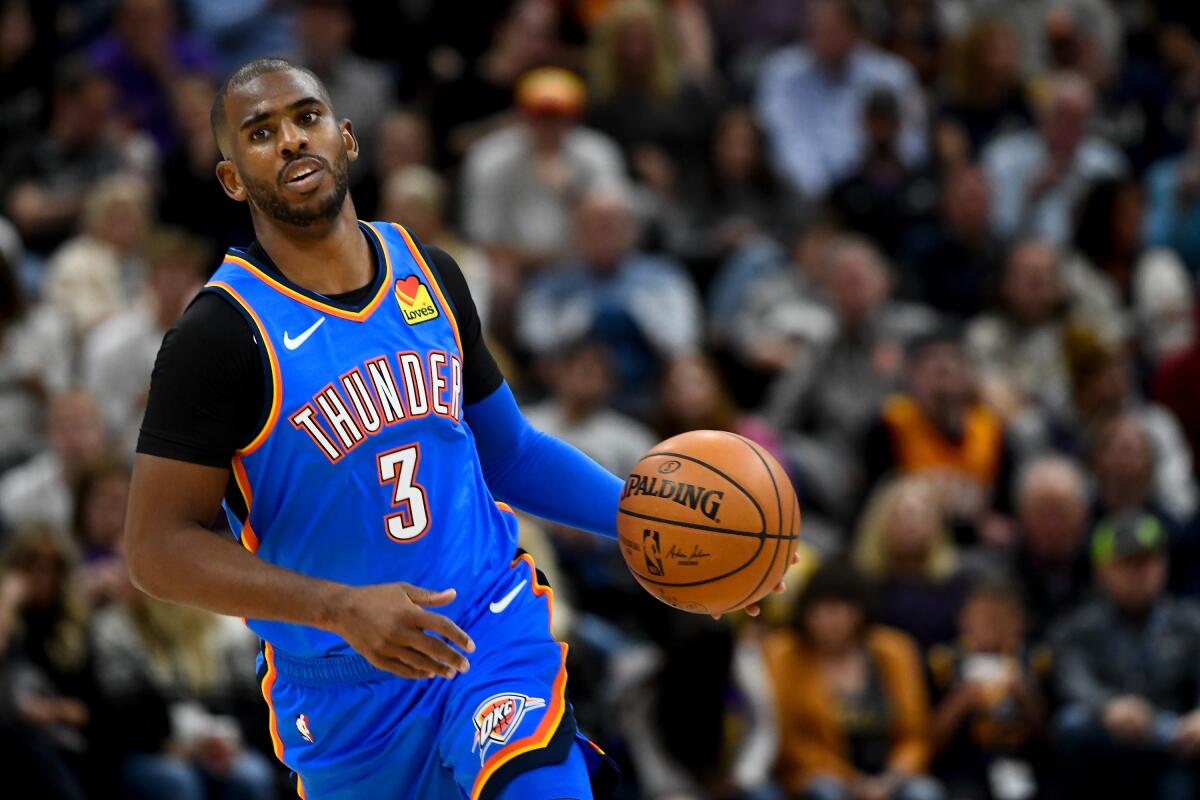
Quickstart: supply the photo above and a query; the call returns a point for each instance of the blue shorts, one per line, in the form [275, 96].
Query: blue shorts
[503, 729]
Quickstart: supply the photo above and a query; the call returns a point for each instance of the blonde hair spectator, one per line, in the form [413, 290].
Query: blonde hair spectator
[901, 517]
[84, 283]
[27, 555]
[633, 30]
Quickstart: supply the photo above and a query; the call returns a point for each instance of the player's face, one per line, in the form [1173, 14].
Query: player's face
[289, 156]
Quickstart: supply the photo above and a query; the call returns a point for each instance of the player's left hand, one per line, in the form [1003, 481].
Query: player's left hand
[753, 609]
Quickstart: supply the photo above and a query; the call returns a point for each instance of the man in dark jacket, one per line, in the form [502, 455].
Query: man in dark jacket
[1128, 666]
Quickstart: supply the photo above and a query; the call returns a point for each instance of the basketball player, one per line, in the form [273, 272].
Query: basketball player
[331, 388]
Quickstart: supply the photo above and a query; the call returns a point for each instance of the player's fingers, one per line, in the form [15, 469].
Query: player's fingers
[439, 651]
[753, 609]
[780, 587]
[421, 662]
[796, 557]
[428, 597]
[442, 625]
[401, 668]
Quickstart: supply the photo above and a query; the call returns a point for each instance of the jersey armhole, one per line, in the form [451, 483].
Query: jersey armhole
[437, 273]
[272, 382]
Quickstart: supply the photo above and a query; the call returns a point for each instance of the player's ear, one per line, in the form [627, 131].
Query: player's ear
[349, 138]
[230, 181]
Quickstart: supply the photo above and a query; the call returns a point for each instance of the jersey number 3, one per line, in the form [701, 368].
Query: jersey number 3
[411, 516]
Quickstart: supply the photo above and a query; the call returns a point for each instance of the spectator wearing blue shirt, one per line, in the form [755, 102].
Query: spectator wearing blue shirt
[644, 308]
[810, 100]
[1173, 202]
[238, 31]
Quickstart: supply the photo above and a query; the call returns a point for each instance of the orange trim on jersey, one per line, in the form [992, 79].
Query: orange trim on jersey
[433, 284]
[325, 308]
[249, 537]
[268, 684]
[554, 714]
[276, 376]
[300, 788]
[242, 481]
[505, 507]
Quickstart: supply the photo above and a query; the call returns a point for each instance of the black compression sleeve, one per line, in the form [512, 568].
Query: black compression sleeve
[481, 375]
[206, 391]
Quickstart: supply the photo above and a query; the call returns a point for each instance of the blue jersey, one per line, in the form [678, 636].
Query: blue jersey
[363, 470]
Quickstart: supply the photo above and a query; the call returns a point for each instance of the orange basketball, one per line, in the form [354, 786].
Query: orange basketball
[708, 522]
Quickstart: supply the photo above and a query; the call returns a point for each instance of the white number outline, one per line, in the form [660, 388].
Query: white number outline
[405, 494]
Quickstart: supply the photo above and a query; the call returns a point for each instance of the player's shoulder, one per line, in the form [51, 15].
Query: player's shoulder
[211, 328]
[446, 270]
[210, 307]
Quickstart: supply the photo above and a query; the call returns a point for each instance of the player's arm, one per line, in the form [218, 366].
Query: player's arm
[538, 473]
[523, 466]
[206, 369]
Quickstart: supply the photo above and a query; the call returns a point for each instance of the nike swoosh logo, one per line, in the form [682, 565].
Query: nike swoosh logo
[503, 602]
[292, 344]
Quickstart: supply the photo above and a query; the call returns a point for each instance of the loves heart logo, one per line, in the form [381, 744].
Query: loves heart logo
[408, 289]
[416, 305]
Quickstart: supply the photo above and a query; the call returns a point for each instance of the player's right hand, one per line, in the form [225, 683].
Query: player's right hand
[388, 624]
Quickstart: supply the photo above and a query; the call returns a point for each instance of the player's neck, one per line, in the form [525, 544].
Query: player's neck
[331, 259]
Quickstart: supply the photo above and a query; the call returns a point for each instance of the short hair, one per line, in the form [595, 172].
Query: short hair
[248, 72]
[998, 587]
[1033, 474]
[849, 9]
[945, 332]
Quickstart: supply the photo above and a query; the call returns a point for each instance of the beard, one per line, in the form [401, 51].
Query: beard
[270, 198]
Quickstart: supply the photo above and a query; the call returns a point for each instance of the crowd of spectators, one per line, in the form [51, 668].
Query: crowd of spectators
[938, 256]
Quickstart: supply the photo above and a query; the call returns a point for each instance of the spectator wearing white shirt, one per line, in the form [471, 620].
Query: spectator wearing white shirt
[41, 489]
[520, 183]
[118, 355]
[1037, 177]
[34, 359]
[584, 381]
[810, 100]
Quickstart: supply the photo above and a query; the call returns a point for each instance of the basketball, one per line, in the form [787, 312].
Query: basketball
[708, 522]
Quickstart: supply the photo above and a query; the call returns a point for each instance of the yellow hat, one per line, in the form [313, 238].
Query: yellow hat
[551, 90]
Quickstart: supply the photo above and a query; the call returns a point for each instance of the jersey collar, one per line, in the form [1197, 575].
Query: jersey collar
[258, 263]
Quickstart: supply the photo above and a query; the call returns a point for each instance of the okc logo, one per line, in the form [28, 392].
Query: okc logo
[497, 717]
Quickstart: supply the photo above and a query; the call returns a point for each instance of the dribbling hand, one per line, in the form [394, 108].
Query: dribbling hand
[388, 624]
[753, 609]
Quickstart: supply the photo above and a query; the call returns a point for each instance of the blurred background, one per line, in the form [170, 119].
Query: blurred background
[938, 256]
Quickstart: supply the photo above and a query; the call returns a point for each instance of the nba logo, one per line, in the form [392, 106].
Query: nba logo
[653, 552]
[302, 726]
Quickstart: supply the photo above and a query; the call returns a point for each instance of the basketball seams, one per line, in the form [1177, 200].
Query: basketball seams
[702, 527]
[689, 584]
[778, 516]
